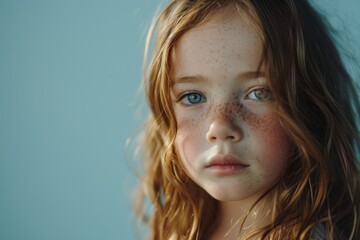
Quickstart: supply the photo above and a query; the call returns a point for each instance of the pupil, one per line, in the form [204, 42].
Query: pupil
[260, 94]
[194, 98]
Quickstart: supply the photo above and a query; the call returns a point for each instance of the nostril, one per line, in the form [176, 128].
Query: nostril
[223, 131]
[213, 138]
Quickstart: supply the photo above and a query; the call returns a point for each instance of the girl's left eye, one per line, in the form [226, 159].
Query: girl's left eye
[260, 94]
[192, 99]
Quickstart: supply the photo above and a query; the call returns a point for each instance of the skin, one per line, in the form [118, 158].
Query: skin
[223, 107]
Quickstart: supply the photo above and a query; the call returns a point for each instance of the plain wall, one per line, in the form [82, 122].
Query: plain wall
[69, 74]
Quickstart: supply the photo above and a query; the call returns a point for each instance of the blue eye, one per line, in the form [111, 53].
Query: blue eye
[192, 99]
[260, 94]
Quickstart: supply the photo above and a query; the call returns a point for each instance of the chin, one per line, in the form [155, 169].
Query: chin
[227, 196]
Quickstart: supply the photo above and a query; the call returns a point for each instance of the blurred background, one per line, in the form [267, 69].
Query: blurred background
[69, 77]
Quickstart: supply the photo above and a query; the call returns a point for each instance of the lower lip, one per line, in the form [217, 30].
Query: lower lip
[227, 169]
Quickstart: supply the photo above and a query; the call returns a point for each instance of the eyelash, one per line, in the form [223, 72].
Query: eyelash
[203, 98]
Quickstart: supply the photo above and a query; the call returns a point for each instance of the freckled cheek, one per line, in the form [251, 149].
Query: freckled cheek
[273, 143]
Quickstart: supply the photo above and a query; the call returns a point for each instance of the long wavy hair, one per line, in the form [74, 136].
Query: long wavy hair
[316, 101]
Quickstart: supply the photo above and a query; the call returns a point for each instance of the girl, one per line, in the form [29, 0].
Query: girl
[252, 132]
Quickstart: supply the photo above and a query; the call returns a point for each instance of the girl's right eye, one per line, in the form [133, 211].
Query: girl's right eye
[190, 99]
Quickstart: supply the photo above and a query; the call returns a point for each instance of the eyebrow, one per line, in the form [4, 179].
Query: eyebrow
[241, 76]
[250, 75]
[190, 79]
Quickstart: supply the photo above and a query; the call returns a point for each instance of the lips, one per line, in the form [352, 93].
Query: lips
[225, 160]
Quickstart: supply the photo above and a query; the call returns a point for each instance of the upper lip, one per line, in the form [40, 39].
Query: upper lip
[227, 159]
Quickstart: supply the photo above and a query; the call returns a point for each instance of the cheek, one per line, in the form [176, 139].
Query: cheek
[187, 141]
[272, 143]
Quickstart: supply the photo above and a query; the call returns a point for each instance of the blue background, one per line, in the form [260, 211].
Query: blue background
[69, 75]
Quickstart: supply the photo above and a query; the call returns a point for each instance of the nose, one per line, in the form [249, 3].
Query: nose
[223, 129]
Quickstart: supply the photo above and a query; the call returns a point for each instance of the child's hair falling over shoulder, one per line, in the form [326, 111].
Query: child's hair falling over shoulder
[253, 128]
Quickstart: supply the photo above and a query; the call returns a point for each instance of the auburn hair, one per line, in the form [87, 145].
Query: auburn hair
[316, 101]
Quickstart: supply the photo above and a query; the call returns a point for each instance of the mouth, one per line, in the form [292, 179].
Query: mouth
[226, 165]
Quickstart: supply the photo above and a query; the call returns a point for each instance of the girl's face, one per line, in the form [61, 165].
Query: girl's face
[229, 139]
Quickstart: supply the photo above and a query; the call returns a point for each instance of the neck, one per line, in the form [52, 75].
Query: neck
[239, 218]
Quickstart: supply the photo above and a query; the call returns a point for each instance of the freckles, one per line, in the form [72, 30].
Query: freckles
[271, 129]
[267, 133]
[251, 181]
[192, 122]
[236, 110]
[206, 114]
[267, 125]
[275, 140]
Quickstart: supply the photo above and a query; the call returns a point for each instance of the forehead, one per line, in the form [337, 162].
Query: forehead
[219, 29]
[224, 42]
